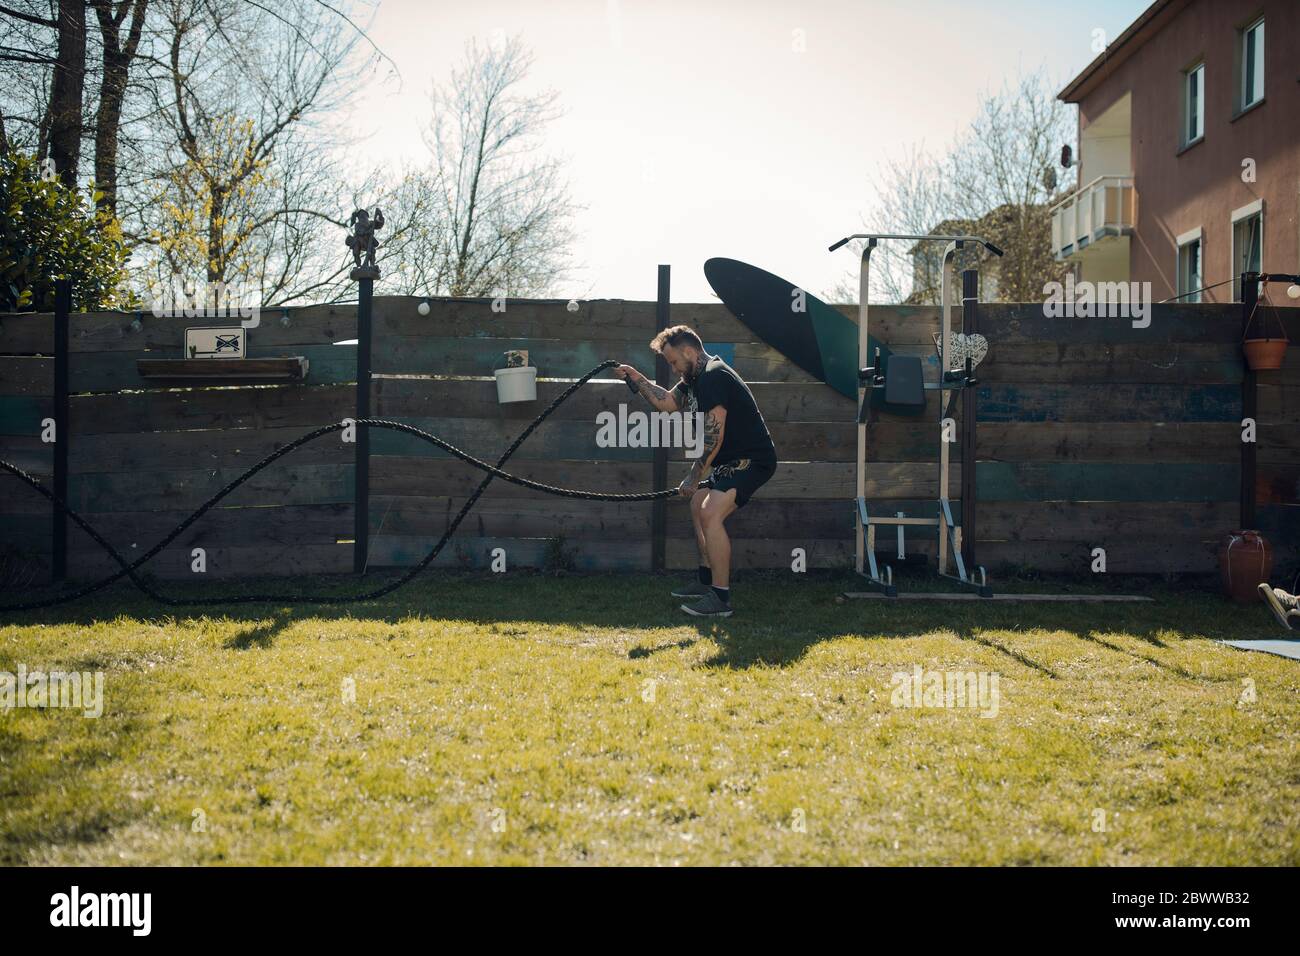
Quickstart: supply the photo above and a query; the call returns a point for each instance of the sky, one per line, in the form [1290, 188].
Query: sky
[740, 128]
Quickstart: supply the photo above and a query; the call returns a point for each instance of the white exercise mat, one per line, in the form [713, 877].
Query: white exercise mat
[1282, 648]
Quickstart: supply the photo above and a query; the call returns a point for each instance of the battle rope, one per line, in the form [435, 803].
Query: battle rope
[493, 471]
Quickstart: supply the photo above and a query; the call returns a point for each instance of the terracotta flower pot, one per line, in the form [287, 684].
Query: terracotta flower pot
[1245, 560]
[1264, 354]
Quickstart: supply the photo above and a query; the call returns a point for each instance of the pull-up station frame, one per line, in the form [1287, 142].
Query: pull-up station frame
[873, 377]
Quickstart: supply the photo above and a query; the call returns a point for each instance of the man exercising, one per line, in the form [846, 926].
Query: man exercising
[737, 447]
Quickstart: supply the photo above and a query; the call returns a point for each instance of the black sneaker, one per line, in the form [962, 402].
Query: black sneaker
[693, 590]
[708, 606]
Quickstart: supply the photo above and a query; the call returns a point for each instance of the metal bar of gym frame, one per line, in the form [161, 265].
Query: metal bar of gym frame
[948, 530]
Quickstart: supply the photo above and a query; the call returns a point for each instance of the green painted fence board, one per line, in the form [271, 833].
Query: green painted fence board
[1109, 403]
[278, 484]
[1106, 481]
[22, 414]
[487, 440]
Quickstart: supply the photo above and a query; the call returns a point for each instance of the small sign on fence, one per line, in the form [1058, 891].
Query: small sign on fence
[215, 343]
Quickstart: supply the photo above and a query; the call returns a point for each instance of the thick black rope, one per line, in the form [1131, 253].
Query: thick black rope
[493, 471]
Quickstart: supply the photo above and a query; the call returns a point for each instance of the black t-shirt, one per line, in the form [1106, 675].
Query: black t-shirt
[745, 434]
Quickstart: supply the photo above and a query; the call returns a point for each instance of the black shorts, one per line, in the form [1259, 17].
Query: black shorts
[746, 475]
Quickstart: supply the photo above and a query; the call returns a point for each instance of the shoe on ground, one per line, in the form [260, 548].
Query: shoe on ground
[1285, 607]
[693, 590]
[708, 606]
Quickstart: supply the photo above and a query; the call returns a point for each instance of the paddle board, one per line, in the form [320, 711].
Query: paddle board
[819, 339]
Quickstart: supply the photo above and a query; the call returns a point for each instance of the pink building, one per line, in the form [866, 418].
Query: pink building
[1189, 150]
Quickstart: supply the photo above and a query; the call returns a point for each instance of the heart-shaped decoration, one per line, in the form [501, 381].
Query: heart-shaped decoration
[962, 346]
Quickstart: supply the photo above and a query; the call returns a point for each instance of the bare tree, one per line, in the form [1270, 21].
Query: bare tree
[499, 220]
[997, 179]
[118, 53]
[245, 184]
[27, 58]
[60, 126]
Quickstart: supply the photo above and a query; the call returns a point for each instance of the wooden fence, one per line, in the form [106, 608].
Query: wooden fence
[1091, 433]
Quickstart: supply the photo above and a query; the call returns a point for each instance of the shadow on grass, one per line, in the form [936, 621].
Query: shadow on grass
[262, 634]
[26, 826]
[779, 616]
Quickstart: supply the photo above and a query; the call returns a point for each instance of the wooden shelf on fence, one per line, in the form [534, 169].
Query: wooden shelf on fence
[290, 368]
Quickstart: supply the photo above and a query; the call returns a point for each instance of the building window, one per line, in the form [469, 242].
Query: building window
[1251, 55]
[1194, 104]
[1189, 268]
[1247, 240]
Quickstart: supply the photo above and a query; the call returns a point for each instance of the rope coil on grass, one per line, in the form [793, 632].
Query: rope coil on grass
[493, 471]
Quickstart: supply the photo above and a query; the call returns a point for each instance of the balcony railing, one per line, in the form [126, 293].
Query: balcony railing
[1105, 207]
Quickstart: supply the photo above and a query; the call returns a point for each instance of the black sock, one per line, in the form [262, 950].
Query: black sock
[706, 575]
[724, 594]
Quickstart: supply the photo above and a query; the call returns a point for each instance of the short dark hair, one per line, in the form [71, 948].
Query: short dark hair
[676, 336]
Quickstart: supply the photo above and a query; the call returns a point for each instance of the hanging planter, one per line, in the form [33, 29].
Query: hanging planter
[1264, 354]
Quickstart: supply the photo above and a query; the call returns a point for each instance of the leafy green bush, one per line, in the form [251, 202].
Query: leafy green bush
[49, 231]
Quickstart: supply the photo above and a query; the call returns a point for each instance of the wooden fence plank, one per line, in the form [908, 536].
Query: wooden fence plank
[23, 414]
[571, 440]
[19, 498]
[1110, 363]
[554, 359]
[1176, 323]
[1109, 403]
[510, 517]
[614, 319]
[1123, 556]
[1101, 521]
[27, 333]
[266, 563]
[134, 532]
[185, 490]
[1092, 441]
[401, 475]
[26, 375]
[1279, 405]
[28, 453]
[1105, 481]
[476, 553]
[1278, 483]
[229, 449]
[279, 406]
[753, 553]
[112, 371]
[116, 332]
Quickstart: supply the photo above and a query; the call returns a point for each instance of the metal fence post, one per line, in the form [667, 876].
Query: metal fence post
[1249, 405]
[59, 525]
[362, 243]
[659, 509]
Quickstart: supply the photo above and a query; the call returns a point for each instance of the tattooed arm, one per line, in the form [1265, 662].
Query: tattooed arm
[658, 396]
[715, 425]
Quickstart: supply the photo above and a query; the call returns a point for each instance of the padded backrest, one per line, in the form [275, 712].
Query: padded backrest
[904, 384]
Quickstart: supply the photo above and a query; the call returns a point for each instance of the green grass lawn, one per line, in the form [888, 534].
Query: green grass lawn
[532, 719]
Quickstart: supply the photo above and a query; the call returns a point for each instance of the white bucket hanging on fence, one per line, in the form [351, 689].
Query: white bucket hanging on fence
[517, 382]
